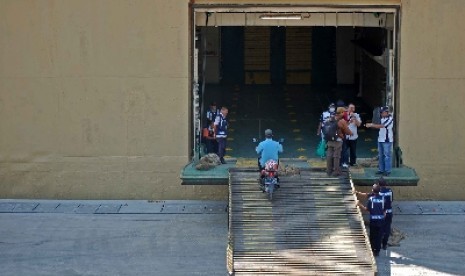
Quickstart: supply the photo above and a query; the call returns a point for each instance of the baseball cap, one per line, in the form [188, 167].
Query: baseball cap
[268, 132]
[383, 109]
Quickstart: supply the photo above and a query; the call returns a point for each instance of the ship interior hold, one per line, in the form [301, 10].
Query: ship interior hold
[282, 77]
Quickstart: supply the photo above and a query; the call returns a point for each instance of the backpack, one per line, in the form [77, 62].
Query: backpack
[329, 130]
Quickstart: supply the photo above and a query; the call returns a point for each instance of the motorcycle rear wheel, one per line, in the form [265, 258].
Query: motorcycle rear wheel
[270, 191]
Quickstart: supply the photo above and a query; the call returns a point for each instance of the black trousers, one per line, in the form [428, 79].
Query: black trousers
[221, 147]
[376, 234]
[344, 154]
[387, 228]
[212, 145]
[352, 147]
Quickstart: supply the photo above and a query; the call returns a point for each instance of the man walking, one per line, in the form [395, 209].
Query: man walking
[388, 196]
[221, 132]
[377, 209]
[385, 141]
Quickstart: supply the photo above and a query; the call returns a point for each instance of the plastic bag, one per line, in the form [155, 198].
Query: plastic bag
[321, 149]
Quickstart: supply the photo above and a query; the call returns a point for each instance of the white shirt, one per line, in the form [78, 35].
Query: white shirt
[324, 117]
[385, 133]
[217, 122]
[353, 127]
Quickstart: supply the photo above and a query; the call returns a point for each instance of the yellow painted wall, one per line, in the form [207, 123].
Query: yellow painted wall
[432, 97]
[299, 2]
[94, 98]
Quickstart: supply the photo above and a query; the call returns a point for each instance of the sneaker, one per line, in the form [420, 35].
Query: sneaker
[353, 165]
[344, 165]
[379, 172]
[384, 246]
[376, 253]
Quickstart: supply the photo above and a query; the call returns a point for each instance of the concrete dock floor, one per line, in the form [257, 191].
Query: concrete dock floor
[46, 237]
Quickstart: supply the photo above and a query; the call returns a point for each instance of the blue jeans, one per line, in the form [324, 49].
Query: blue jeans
[384, 154]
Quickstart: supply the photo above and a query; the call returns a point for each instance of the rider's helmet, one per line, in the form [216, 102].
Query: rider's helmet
[268, 133]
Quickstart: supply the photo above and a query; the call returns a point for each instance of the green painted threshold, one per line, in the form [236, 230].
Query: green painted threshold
[361, 176]
[219, 175]
[402, 176]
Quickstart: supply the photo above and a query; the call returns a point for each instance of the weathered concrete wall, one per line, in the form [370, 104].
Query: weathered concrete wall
[94, 99]
[432, 96]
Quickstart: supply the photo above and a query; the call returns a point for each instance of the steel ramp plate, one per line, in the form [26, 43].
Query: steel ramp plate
[311, 227]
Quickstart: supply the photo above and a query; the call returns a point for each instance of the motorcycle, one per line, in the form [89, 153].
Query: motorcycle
[269, 179]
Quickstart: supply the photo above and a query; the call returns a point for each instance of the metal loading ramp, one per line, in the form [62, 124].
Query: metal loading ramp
[311, 227]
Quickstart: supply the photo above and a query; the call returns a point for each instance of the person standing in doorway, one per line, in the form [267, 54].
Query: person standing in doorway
[351, 140]
[208, 135]
[344, 155]
[221, 132]
[385, 141]
[334, 146]
[325, 116]
[212, 112]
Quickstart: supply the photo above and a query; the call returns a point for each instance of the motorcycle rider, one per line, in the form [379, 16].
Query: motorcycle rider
[268, 149]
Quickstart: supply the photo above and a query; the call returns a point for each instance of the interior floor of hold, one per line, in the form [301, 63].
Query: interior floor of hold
[291, 111]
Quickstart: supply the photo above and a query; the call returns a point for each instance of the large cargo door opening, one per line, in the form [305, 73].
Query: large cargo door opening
[283, 73]
[280, 68]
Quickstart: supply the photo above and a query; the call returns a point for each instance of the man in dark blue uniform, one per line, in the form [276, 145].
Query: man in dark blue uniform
[376, 207]
[388, 196]
[212, 112]
[221, 133]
